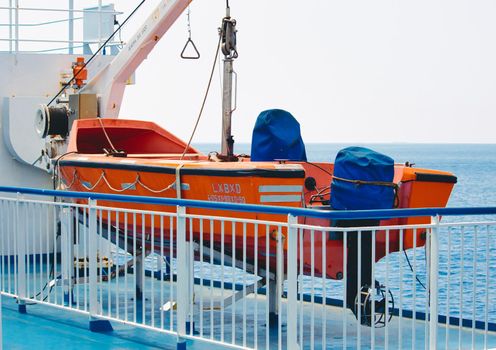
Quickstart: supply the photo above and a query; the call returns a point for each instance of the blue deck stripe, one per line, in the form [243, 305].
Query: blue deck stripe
[324, 214]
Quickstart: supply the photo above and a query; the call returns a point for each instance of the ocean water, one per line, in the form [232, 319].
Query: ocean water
[473, 164]
[475, 167]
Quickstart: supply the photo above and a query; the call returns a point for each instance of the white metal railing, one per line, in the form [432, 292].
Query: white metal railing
[251, 283]
[96, 24]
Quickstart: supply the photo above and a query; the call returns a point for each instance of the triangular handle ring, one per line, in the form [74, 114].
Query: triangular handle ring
[195, 57]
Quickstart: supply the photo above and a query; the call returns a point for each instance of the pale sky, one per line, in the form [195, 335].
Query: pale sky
[349, 71]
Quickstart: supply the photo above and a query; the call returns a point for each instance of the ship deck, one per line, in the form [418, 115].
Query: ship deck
[47, 326]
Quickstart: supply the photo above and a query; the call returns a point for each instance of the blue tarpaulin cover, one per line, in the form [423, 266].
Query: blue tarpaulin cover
[277, 136]
[359, 163]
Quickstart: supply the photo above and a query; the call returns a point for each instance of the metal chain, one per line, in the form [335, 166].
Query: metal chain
[189, 24]
[189, 41]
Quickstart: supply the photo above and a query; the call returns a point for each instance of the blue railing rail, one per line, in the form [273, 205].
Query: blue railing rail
[269, 209]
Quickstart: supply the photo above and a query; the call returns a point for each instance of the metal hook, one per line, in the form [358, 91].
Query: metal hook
[195, 57]
[183, 56]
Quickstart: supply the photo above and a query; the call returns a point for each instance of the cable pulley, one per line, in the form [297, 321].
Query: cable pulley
[228, 33]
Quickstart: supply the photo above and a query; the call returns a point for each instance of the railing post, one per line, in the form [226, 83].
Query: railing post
[96, 325]
[92, 256]
[1, 318]
[21, 254]
[292, 283]
[433, 282]
[67, 251]
[182, 277]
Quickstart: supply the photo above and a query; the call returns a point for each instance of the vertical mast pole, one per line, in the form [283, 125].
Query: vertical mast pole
[228, 34]
[227, 139]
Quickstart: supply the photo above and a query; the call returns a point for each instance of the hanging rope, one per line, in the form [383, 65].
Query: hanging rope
[204, 98]
[103, 177]
[124, 188]
[363, 182]
[91, 188]
[396, 188]
[106, 135]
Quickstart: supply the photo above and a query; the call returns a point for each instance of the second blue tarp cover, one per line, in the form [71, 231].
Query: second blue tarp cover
[373, 169]
[277, 136]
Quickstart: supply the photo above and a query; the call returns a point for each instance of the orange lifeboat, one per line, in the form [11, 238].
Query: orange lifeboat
[140, 158]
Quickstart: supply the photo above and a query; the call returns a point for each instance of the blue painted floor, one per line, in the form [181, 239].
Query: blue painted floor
[48, 328]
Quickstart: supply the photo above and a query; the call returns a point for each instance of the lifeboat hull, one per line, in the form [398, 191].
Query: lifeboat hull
[155, 166]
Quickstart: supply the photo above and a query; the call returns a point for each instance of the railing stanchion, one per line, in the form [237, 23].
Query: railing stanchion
[92, 256]
[292, 302]
[182, 276]
[67, 250]
[433, 282]
[1, 318]
[21, 254]
[94, 307]
[3, 249]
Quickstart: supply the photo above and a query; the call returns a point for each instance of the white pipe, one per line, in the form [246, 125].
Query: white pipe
[3, 251]
[400, 306]
[17, 26]
[92, 257]
[10, 26]
[222, 239]
[279, 287]
[255, 311]
[486, 305]
[182, 273]
[100, 24]
[1, 318]
[448, 288]
[71, 27]
[359, 287]
[67, 255]
[474, 285]
[57, 10]
[373, 291]
[433, 291]
[386, 326]
[244, 285]
[345, 283]
[21, 249]
[324, 289]
[312, 288]
[292, 281]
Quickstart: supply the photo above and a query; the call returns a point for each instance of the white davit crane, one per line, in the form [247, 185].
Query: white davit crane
[100, 96]
[110, 82]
